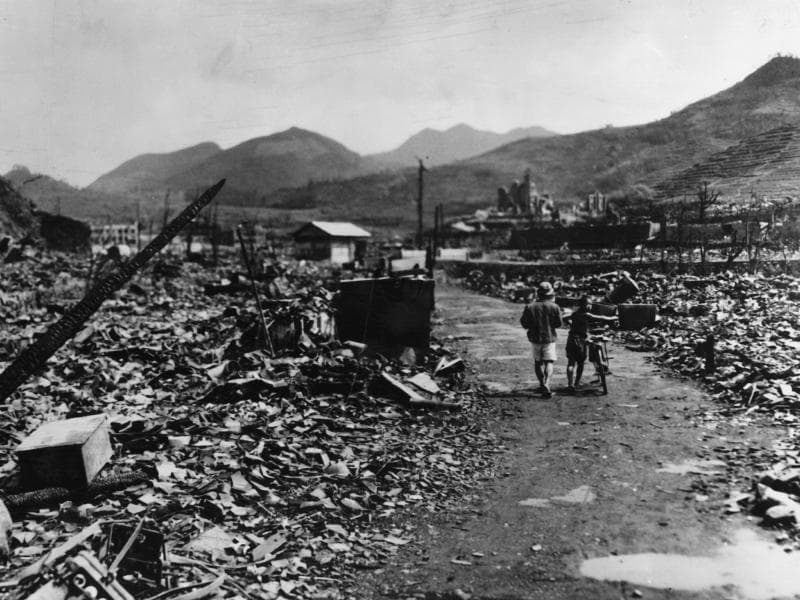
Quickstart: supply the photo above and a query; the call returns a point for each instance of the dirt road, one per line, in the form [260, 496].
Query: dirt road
[583, 476]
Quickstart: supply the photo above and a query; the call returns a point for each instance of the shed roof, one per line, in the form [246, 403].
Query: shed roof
[337, 229]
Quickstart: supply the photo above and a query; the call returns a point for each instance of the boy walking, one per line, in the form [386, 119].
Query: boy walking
[541, 319]
[579, 322]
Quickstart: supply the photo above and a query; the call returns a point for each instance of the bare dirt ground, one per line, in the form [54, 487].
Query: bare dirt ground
[588, 466]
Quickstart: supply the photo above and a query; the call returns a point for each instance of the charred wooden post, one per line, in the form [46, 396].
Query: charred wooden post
[36, 355]
[250, 271]
[420, 183]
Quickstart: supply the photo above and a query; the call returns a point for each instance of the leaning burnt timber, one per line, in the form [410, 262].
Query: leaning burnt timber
[36, 355]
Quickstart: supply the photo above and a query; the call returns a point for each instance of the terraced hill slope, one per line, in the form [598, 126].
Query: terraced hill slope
[767, 165]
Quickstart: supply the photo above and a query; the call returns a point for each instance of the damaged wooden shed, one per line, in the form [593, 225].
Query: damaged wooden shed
[337, 242]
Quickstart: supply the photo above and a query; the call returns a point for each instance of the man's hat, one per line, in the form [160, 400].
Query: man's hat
[545, 290]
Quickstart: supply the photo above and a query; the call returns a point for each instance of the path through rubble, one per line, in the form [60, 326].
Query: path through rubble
[586, 477]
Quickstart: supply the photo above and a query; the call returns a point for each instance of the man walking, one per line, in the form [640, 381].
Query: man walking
[540, 319]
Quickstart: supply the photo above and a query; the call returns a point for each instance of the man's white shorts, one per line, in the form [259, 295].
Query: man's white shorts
[544, 352]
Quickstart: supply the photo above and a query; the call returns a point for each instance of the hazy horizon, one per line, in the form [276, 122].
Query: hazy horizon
[90, 84]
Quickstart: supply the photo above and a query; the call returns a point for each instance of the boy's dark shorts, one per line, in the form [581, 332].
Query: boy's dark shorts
[576, 349]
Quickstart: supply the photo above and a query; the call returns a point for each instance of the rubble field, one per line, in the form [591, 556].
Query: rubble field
[282, 473]
[736, 334]
[655, 468]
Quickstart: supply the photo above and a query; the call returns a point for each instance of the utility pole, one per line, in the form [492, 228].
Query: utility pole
[138, 225]
[435, 233]
[214, 230]
[422, 170]
[166, 207]
[438, 227]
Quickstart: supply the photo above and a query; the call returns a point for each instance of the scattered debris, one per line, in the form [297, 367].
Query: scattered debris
[447, 367]
[37, 353]
[735, 332]
[700, 467]
[580, 495]
[6, 523]
[535, 502]
[286, 457]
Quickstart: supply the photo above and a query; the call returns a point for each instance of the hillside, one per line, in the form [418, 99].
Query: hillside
[613, 157]
[90, 205]
[569, 166]
[254, 167]
[286, 159]
[457, 143]
[767, 164]
[150, 172]
[16, 213]
[46, 192]
[296, 173]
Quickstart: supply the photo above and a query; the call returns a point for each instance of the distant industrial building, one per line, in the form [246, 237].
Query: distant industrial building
[116, 234]
[336, 242]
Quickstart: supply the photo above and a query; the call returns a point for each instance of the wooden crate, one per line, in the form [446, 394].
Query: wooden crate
[65, 453]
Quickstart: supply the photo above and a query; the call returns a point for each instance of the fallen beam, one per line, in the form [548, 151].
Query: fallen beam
[23, 501]
[34, 357]
[398, 390]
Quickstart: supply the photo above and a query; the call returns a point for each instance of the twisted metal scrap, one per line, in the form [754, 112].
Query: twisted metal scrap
[36, 355]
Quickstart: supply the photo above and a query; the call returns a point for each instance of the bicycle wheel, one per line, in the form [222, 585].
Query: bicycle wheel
[601, 372]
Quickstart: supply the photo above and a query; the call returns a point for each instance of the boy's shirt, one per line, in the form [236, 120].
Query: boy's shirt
[579, 323]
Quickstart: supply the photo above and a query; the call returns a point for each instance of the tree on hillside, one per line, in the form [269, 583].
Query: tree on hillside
[633, 201]
[680, 221]
[754, 236]
[706, 198]
[787, 236]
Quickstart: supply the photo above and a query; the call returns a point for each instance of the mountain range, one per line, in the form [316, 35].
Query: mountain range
[288, 159]
[571, 166]
[298, 174]
[254, 167]
[461, 141]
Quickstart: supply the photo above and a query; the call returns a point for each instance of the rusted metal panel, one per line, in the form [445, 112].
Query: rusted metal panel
[637, 316]
[391, 312]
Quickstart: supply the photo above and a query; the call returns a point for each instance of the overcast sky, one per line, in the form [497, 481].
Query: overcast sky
[85, 85]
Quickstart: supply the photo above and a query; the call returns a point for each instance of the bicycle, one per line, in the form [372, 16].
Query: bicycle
[597, 351]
